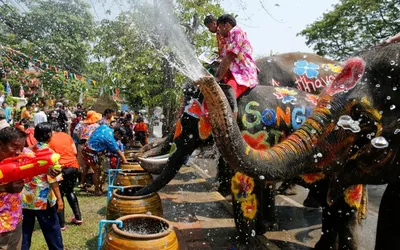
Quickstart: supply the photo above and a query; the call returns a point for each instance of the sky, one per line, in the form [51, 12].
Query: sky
[267, 34]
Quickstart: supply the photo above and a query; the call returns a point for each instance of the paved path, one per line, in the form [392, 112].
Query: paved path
[201, 215]
[300, 227]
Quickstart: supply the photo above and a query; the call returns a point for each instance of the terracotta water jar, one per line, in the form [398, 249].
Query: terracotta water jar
[142, 232]
[133, 177]
[125, 203]
[131, 165]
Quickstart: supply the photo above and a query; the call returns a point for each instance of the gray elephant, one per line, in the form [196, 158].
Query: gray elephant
[354, 128]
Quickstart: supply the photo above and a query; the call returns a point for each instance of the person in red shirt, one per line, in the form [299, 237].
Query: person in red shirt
[30, 131]
[63, 145]
[141, 131]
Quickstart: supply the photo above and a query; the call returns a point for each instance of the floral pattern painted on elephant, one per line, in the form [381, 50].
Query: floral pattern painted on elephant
[310, 69]
[332, 67]
[242, 187]
[200, 111]
[286, 95]
[312, 99]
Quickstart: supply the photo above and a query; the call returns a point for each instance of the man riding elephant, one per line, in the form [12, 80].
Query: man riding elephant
[237, 68]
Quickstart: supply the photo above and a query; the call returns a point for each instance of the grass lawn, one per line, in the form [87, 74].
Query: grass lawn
[78, 237]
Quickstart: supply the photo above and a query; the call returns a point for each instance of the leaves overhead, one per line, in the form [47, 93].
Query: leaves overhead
[353, 25]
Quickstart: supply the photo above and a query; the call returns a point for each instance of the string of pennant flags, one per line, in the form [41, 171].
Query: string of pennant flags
[46, 66]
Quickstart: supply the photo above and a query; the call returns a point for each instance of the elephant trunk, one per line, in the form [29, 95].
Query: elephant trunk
[290, 157]
[184, 148]
[157, 148]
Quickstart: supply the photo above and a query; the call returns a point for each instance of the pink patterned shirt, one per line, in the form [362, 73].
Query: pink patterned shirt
[243, 67]
[11, 207]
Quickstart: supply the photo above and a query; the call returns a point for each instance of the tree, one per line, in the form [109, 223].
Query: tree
[57, 32]
[353, 25]
[139, 54]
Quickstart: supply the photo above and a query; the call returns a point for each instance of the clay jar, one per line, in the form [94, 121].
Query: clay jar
[133, 177]
[142, 232]
[131, 165]
[125, 203]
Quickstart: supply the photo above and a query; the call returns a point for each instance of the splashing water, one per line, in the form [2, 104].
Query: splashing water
[159, 27]
[347, 123]
[379, 142]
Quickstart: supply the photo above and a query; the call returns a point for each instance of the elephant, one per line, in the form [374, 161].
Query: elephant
[283, 102]
[354, 128]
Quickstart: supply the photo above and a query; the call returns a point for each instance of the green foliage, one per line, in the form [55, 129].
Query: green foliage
[353, 25]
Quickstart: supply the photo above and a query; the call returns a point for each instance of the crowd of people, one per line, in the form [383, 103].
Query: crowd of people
[88, 142]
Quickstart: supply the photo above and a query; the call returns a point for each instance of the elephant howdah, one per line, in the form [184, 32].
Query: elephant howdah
[366, 91]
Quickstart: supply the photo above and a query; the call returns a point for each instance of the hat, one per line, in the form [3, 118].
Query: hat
[92, 117]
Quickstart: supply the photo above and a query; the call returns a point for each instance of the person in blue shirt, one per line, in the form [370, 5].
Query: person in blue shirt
[102, 140]
[7, 111]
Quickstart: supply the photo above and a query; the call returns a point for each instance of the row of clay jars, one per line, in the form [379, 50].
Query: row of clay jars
[132, 209]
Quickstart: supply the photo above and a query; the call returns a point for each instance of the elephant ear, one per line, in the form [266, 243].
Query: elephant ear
[348, 77]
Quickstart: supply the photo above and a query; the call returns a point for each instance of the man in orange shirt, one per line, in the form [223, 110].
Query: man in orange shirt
[141, 131]
[63, 145]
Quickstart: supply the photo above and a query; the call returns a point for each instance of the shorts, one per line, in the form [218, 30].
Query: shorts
[92, 158]
[11, 240]
[239, 89]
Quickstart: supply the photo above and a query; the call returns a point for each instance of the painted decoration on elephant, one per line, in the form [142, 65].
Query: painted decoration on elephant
[313, 177]
[313, 85]
[256, 141]
[178, 129]
[312, 99]
[242, 187]
[275, 83]
[293, 117]
[286, 95]
[348, 77]
[336, 68]
[309, 69]
[249, 207]
[200, 111]
[353, 195]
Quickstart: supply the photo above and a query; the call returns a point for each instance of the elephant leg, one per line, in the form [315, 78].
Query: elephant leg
[313, 198]
[329, 235]
[246, 197]
[347, 225]
[270, 218]
[387, 233]
[224, 175]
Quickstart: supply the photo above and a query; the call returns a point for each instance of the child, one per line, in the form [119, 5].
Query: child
[39, 198]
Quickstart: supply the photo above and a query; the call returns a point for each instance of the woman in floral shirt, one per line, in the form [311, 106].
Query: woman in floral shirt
[40, 197]
[81, 134]
[12, 141]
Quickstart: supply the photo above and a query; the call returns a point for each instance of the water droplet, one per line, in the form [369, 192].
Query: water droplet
[328, 106]
[262, 177]
[304, 56]
[319, 155]
[349, 238]
[347, 123]
[388, 97]
[392, 107]
[253, 233]
[394, 88]
[379, 142]
[392, 62]
[378, 85]
[397, 131]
